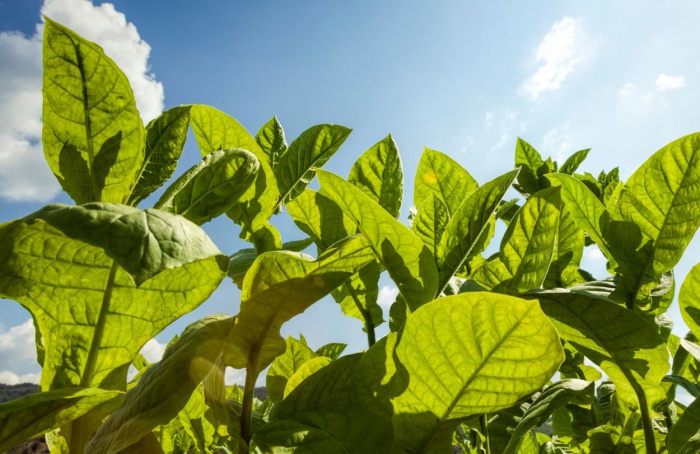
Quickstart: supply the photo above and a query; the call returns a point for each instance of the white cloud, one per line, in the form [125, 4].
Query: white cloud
[502, 141]
[24, 176]
[153, 351]
[488, 119]
[234, 376]
[17, 352]
[387, 296]
[560, 51]
[665, 82]
[10, 378]
[557, 142]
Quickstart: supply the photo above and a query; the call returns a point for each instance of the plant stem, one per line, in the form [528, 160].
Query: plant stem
[79, 432]
[649, 439]
[369, 326]
[485, 432]
[247, 405]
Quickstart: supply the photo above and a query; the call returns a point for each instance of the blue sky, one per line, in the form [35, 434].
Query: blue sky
[463, 77]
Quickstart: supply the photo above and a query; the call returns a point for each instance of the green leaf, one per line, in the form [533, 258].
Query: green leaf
[311, 150]
[358, 296]
[271, 140]
[430, 222]
[684, 436]
[529, 161]
[33, 415]
[489, 352]
[322, 415]
[662, 198]
[332, 350]
[440, 175]
[242, 260]
[305, 371]
[165, 388]
[214, 130]
[585, 209]
[574, 161]
[285, 365]
[212, 186]
[604, 332]
[320, 218]
[527, 246]
[165, 140]
[462, 234]
[689, 300]
[408, 261]
[568, 251]
[93, 134]
[281, 285]
[555, 396]
[79, 270]
[193, 420]
[379, 174]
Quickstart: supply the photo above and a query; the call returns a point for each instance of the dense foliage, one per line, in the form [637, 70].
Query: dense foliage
[475, 341]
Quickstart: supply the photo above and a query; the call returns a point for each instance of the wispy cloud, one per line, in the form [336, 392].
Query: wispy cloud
[557, 142]
[665, 82]
[559, 52]
[24, 176]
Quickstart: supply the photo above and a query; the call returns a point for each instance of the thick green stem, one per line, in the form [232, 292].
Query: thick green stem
[247, 405]
[485, 432]
[369, 326]
[79, 431]
[649, 439]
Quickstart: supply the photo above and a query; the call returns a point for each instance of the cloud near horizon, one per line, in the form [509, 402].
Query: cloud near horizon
[24, 176]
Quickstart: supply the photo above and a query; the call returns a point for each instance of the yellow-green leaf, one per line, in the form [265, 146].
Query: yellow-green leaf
[92, 134]
[465, 355]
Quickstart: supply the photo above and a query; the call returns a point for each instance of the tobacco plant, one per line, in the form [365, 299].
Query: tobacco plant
[475, 343]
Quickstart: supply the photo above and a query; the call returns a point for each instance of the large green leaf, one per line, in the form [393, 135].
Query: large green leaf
[285, 365]
[92, 132]
[281, 285]
[662, 198]
[659, 213]
[628, 348]
[165, 139]
[462, 237]
[271, 139]
[101, 280]
[555, 396]
[320, 218]
[321, 415]
[465, 355]
[379, 174]
[568, 251]
[527, 246]
[311, 150]
[684, 436]
[212, 186]
[689, 300]
[214, 130]
[440, 175]
[430, 222]
[165, 388]
[408, 261]
[33, 415]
